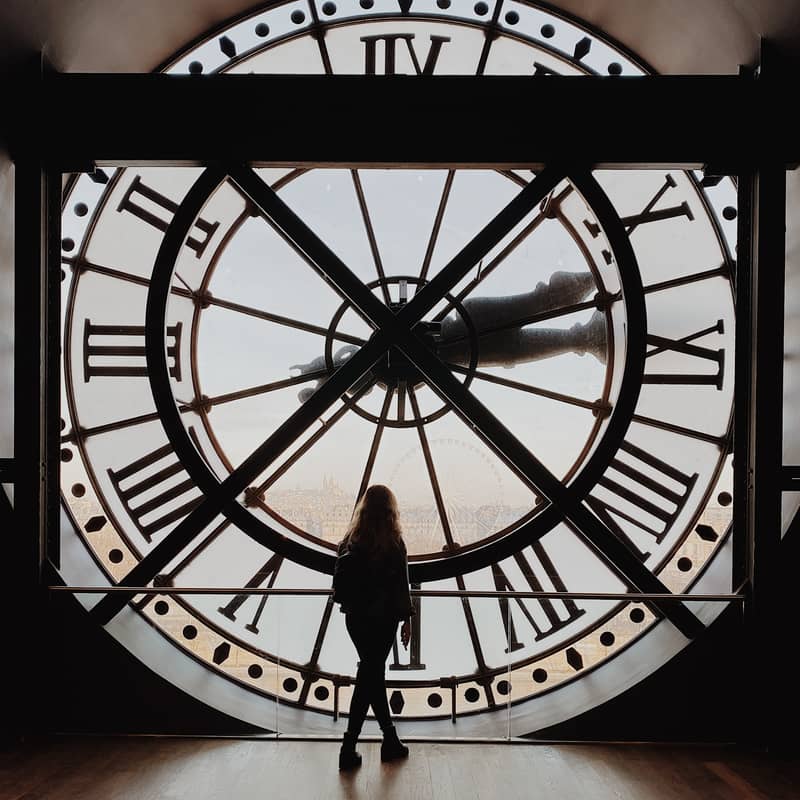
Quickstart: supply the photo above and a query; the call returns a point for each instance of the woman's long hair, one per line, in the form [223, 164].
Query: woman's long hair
[375, 525]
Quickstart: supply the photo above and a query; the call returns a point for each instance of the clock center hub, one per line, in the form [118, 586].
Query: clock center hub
[395, 368]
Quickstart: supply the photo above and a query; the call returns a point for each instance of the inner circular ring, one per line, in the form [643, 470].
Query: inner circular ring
[387, 373]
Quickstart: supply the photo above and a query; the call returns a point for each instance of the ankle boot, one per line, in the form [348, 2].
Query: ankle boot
[348, 757]
[392, 747]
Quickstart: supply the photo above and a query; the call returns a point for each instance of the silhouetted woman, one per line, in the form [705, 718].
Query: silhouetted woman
[376, 554]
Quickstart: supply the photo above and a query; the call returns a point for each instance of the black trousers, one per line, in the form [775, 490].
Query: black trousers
[373, 638]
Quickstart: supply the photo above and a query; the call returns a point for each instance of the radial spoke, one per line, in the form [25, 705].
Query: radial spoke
[376, 443]
[503, 254]
[84, 265]
[310, 442]
[264, 388]
[140, 419]
[512, 176]
[195, 551]
[426, 451]
[718, 272]
[211, 300]
[719, 441]
[596, 406]
[373, 242]
[437, 224]
[289, 322]
[401, 401]
[108, 427]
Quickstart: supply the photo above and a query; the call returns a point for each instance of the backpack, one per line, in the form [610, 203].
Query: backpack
[356, 586]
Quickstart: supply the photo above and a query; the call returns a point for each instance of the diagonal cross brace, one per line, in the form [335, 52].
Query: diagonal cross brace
[397, 330]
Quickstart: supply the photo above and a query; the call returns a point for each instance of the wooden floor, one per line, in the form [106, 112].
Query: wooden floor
[234, 769]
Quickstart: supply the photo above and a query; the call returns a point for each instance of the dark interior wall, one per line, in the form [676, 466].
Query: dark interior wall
[673, 36]
[107, 35]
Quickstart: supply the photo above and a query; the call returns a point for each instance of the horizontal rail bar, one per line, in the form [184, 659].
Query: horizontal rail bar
[415, 738]
[790, 478]
[209, 590]
[375, 120]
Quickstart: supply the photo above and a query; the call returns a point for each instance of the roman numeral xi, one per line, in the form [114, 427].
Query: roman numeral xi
[155, 209]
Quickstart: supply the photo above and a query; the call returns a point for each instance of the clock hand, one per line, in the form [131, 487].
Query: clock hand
[504, 336]
[548, 208]
[319, 366]
[499, 322]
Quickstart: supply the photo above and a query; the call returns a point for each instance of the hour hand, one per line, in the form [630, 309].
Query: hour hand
[319, 364]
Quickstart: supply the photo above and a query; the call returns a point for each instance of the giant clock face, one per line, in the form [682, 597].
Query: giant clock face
[539, 365]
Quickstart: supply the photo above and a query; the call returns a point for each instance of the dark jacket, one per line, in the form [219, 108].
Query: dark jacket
[382, 582]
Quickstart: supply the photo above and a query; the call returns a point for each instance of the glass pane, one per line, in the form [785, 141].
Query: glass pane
[537, 331]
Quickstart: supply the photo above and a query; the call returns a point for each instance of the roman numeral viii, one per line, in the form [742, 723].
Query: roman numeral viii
[155, 498]
[118, 351]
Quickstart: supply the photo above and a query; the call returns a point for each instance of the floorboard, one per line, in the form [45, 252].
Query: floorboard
[154, 768]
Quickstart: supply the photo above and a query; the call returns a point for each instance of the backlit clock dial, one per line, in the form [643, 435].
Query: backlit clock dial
[539, 364]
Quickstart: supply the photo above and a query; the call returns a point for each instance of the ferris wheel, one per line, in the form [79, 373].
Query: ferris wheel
[472, 511]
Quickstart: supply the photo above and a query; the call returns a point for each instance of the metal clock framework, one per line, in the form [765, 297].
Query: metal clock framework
[244, 343]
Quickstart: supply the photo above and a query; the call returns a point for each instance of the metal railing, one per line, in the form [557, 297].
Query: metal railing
[737, 596]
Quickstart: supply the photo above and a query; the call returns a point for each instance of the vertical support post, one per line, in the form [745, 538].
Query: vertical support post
[37, 274]
[26, 538]
[766, 187]
[742, 433]
[51, 378]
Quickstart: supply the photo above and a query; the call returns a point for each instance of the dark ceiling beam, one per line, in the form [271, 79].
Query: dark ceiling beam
[719, 122]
